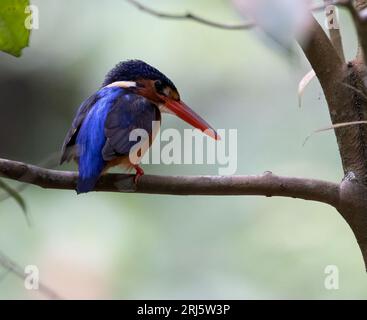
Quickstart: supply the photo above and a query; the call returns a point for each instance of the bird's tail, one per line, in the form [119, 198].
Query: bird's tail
[90, 169]
[86, 184]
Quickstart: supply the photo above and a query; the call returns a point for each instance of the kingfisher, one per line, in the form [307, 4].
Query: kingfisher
[132, 96]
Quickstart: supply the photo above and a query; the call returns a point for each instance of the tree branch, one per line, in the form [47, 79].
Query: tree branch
[345, 104]
[215, 24]
[267, 184]
[191, 16]
[322, 55]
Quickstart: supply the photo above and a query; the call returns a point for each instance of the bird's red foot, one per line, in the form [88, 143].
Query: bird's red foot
[139, 173]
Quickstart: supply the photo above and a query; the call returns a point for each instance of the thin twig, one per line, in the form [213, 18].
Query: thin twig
[303, 84]
[191, 16]
[333, 127]
[211, 23]
[10, 266]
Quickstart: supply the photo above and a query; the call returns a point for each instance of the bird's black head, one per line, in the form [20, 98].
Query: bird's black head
[146, 81]
[138, 71]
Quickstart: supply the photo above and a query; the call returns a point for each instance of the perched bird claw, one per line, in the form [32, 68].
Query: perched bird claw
[139, 173]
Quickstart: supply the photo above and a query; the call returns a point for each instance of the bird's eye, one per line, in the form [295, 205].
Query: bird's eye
[158, 86]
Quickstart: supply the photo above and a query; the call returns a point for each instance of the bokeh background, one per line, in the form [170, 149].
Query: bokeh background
[124, 246]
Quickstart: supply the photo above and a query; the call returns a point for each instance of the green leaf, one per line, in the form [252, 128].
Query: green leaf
[15, 195]
[14, 36]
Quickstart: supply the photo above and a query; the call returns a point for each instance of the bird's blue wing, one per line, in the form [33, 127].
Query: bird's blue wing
[90, 139]
[130, 112]
[104, 132]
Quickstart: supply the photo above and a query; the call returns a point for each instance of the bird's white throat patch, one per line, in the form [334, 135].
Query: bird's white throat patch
[122, 84]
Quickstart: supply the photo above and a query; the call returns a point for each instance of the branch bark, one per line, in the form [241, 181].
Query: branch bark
[344, 91]
[267, 184]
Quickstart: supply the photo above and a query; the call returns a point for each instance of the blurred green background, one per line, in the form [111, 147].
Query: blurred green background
[103, 245]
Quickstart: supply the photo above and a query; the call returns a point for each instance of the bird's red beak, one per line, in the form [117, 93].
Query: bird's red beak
[184, 112]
